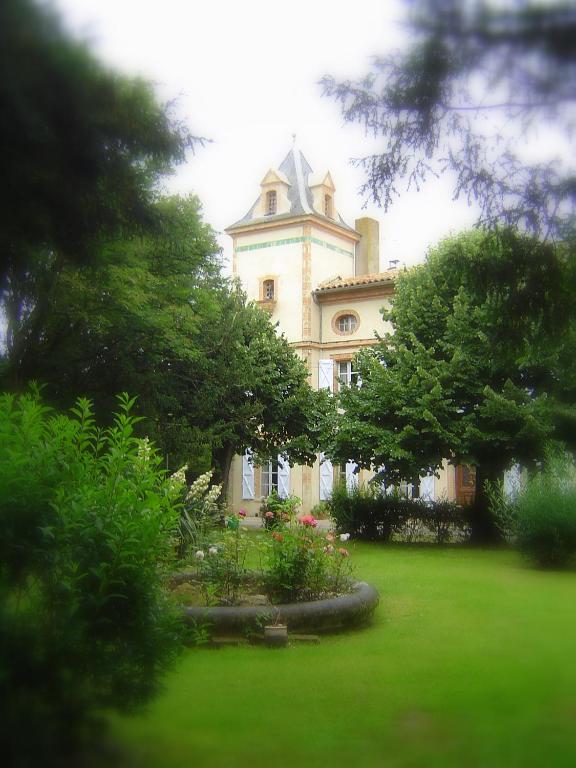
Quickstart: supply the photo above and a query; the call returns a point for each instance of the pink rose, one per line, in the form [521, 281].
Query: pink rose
[269, 515]
[242, 513]
[309, 520]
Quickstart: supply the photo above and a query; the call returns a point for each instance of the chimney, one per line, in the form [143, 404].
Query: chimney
[368, 249]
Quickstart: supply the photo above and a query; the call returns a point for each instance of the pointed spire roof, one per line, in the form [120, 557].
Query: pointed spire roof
[297, 171]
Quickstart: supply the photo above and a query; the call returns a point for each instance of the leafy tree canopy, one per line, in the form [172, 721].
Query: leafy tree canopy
[84, 149]
[476, 78]
[154, 317]
[477, 369]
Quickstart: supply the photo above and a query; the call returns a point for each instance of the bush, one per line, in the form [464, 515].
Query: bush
[305, 564]
[89, 525]
[200, 512]
[546, 518]
[368, 512]
[277, 511]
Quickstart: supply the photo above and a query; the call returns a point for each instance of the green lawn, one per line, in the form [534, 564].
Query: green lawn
[471, 661]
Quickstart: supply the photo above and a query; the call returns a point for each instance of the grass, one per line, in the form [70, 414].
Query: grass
[470, 662]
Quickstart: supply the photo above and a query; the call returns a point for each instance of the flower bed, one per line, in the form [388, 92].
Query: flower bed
[328, 615]
[291, 572]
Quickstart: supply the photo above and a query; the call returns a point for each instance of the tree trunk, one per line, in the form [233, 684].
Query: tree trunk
[226, 456]
[484, 529]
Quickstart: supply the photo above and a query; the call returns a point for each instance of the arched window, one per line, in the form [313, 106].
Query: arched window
[328, 205]
[271, 203]
[268, 290]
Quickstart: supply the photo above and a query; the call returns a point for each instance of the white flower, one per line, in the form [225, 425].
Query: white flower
[144, 449]
[213, 551]
[179, 477]
[199, 555]
[344, 536]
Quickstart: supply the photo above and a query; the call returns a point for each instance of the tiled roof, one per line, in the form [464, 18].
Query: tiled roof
[297, 171]
[336, 283]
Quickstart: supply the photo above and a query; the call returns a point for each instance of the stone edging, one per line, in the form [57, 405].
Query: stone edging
[331, 614]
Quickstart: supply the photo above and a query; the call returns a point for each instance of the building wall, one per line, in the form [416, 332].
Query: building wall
[300, 256]
[273, 254]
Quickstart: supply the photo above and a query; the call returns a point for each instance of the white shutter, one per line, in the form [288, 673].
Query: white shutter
[326, 478]
[512, 482]
[427, 488]
[326, 374]
[351, 476]
[283, 478]
[247, 477]
[383, 487]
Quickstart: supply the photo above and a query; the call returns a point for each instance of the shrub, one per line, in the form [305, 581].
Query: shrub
[221, 564]
[546, 518]
[278, 511]
[88, 524]
[368, 512]
[444, 519]
[304, 563]
[200, 512]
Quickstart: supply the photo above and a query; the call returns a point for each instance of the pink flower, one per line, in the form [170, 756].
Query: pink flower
[343, 552]
[269, 515]
[309, 520]
[242, 513]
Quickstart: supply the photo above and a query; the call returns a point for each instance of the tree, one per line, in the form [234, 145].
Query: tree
[257, 393]
[154, 317]
[475, 368]
[476, 79]
[84, 150]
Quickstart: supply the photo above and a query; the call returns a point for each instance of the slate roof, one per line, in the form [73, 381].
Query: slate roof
[337, 283]
[297, 170]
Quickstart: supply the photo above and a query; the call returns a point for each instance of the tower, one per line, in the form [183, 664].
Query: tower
[319, 279]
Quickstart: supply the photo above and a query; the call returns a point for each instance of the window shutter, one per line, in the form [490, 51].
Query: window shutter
[326, 478]
[512, 482]
[351, 476]
[247, 477]
[383, 487]
[427, 488]
[326, 374]
[283, 478]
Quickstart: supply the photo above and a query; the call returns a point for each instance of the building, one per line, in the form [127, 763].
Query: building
[320, 279]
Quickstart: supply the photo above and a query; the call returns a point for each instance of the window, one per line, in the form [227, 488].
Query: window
[271, 202]
[269, 478]
[268, 290]
[346, 376]
[347, 323]
[328, 205]
[275, 476]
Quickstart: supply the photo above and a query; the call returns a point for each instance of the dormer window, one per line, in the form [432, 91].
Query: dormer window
[328, 205]
[268, 290]
[271, 203]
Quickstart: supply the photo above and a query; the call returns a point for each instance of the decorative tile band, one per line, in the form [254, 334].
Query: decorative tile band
[291, 241]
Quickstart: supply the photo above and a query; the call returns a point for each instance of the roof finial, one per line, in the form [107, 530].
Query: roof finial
[294, 139]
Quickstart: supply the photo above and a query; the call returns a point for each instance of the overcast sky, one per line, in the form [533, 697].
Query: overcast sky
[245, 74]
